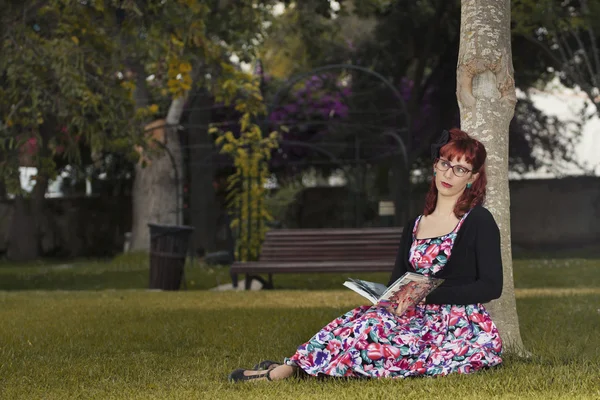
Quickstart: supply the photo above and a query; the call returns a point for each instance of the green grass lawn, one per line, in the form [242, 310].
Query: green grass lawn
[115, 340]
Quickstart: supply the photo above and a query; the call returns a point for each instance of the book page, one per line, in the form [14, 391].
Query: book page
[369, 290]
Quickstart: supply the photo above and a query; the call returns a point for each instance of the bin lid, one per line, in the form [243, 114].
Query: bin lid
[184, 227]
[158, 229]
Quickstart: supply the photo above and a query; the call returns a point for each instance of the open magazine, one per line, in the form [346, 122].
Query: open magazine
[410, 288]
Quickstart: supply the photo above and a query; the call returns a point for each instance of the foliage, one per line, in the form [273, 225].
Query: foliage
[307, 35]
[540, 141]
[414, 45]
[279, 200]
[308, 114]
[59, 88]
[562, 35]
[192, 41]
[70, 71]
[76, 53]
[251, 153]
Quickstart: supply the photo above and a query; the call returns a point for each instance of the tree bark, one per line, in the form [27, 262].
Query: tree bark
[157, 188]
[486, 97]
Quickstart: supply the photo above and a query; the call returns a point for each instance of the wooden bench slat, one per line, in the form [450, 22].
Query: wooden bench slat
[322, 266]
[335, 240]
[330, 245]
[339, 231]
[338, 252]
[294, 239]
[324, 257]
[331, 250]
[346, 233]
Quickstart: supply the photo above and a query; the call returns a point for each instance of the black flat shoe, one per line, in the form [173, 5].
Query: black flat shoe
[238, 376]
[266, 364]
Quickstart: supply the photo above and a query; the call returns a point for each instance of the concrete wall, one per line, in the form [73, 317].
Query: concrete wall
[77, 226]
[556, 212]
[552, 214]
[545, 213]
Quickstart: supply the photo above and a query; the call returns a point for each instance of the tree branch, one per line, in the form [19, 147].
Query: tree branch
[557, 61]
[417, 95]
[592, 35]
[588, 64]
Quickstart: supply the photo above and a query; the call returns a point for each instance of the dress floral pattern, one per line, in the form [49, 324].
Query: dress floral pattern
[427, 340]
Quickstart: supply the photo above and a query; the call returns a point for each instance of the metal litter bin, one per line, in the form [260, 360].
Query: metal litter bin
[168, 251]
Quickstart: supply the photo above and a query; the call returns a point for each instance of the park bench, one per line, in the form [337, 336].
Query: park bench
[321, 250]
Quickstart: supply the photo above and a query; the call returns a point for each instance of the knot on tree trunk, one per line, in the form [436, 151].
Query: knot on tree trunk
[482, 79]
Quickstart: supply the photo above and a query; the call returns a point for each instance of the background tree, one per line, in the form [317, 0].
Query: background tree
[415, 46]
[420, 65]
[486, 97]
[563, 41]
[184, 45]
[60, 101]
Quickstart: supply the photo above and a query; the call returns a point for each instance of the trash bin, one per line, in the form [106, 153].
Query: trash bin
[168, 251]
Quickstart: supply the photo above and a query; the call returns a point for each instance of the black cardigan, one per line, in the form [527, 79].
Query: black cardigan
[473, 272]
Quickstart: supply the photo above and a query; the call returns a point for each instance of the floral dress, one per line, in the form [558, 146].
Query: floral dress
[427, 340]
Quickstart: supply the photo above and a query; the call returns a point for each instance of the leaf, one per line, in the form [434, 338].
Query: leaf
[176, 41]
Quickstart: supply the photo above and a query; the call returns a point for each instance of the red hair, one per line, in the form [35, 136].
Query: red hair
[459, 145]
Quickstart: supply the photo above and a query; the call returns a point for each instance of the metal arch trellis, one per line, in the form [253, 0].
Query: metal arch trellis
[400, 134]
[393, 133]
[289, 84]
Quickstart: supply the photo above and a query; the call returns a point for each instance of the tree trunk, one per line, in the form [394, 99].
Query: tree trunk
[486, 97]
[24, 241]
[142, 182]
[30, 224]
[175, 152]
[157, 192]
[399, 183]
[204, 210]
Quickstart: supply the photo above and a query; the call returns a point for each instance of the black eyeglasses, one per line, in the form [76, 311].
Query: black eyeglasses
[458, 170]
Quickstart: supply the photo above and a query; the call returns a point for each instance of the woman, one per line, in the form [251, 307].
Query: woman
[450, 331]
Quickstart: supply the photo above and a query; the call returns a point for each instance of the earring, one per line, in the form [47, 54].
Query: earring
[469, 185]
[434, 173]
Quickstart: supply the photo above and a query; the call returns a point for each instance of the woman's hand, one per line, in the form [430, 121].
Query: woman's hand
[398, 308]
[401, 307]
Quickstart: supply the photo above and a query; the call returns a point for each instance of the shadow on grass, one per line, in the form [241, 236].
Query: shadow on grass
[74, 280]
[132, 272]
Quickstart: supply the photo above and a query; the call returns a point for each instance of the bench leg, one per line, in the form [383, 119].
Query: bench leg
[265, 284]
[234, 280]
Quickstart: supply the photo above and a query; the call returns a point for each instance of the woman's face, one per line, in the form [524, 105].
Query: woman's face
[451, 177]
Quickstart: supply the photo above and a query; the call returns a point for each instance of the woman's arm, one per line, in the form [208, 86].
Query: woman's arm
[488, 284]
[402, 257]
